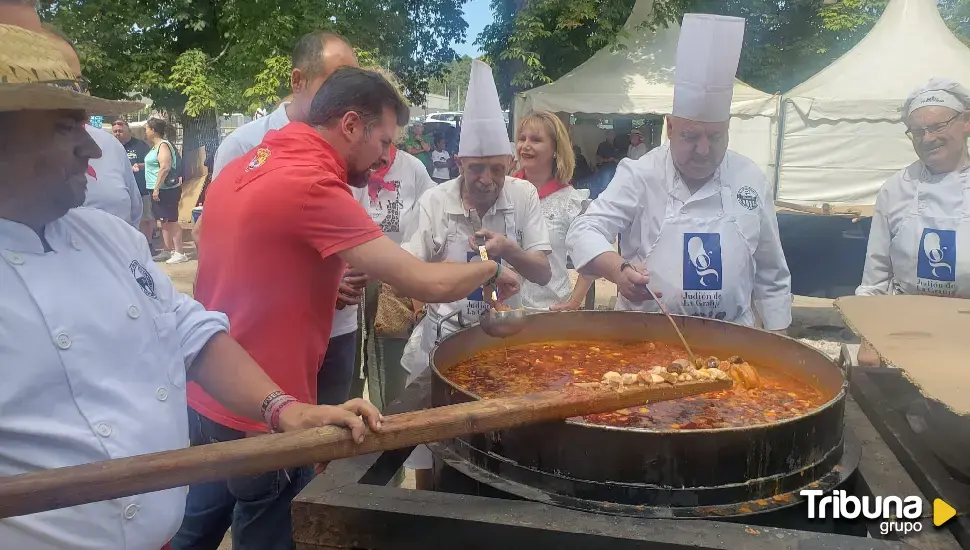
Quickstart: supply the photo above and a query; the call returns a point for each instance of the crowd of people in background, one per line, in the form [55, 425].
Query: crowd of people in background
[437, 149]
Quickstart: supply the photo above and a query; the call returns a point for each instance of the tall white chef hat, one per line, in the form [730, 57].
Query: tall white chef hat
[707, 61]
[483, 129]
[938, 92]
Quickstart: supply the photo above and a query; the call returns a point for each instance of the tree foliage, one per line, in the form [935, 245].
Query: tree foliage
[453, 82]
[786, 41]
[190, 56]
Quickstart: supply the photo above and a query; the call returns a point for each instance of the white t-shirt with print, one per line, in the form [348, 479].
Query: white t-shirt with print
[394, 210]
[440, 156]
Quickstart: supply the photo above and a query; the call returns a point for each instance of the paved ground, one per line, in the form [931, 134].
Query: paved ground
[815, 321]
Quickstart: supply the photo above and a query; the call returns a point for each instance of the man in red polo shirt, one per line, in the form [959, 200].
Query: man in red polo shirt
[281, 224]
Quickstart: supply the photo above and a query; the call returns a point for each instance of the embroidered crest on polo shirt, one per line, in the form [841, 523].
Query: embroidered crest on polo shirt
[748, 198]
[143, 278]
[259, 159]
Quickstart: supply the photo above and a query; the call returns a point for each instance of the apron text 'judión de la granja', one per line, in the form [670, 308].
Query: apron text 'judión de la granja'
[701, 261]
[925, 251]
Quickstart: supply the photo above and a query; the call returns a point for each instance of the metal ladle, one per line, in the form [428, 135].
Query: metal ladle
[503, 324]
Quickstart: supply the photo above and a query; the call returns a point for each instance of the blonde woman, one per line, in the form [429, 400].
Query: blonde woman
[545, 157]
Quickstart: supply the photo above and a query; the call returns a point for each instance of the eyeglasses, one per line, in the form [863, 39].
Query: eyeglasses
[935, 129]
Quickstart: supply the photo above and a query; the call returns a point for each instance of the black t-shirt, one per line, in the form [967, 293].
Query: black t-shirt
[137, 149]
[608, 150]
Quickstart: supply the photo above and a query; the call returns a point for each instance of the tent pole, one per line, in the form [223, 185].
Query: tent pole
[782, 112]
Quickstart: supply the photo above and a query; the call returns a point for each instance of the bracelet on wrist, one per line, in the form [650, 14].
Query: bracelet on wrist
[498, 271]
[273, 405]
[274, 421]
[269, 399]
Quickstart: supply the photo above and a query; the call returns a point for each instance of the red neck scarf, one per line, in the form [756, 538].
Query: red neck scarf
[545, 189]
[376, 182]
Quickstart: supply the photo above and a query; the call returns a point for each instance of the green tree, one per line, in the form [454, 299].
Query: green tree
[197, 58]
[786, 41]
[453, 82]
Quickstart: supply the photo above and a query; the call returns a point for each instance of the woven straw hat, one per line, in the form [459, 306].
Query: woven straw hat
[34, 75]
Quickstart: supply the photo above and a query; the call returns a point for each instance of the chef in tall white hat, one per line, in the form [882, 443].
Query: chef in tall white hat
[696, 221]
[921, 215]
[483, 201]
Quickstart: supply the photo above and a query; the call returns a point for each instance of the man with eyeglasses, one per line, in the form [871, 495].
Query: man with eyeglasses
[699, 216]
[920, 223]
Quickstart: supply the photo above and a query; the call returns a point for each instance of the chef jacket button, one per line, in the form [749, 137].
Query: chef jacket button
[161, 394]
[63, 341]
[104, 430]
[130, 511]
[922, 204]
[16, 259]
[75, 243]
[133, 312]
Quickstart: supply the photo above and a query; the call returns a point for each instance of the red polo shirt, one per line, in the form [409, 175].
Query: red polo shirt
[275, 220]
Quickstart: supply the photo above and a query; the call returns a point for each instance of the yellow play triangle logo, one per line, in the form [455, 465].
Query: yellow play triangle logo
[942, 512]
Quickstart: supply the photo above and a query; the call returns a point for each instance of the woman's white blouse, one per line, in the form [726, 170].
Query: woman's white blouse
[559, 210]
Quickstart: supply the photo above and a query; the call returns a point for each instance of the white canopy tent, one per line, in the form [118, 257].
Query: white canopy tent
[638, 79]
[842, 134]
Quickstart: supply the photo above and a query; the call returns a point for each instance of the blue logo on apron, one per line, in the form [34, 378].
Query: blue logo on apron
[477, 295]
[937, 255]
[702, 261]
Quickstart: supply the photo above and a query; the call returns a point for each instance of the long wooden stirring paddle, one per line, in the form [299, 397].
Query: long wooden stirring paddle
[63, 487]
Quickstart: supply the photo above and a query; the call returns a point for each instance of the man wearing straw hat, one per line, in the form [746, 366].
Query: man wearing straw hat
[96, 346]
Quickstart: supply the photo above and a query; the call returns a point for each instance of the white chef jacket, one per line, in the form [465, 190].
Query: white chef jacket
[912, 204]
[440, 209]
[243, 140]
[634, 206]
[395, 209]
[94, 346]
[441, 233]
[559, 210]
[111, 183]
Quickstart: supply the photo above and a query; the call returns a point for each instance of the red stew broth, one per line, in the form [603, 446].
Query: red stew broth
[530, 368]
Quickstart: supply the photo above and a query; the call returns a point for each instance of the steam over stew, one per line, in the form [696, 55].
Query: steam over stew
[551, 365]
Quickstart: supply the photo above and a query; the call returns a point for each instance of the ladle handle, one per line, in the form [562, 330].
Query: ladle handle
[663, 309]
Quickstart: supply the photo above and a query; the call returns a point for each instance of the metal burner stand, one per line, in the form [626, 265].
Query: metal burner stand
[883, 394]
[351, 507]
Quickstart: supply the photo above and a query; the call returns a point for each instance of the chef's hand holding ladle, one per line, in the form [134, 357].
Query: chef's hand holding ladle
[631, 281]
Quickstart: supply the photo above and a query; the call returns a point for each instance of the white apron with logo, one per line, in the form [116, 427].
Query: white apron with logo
[924, 252]
[417, 354]
[702, 264]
